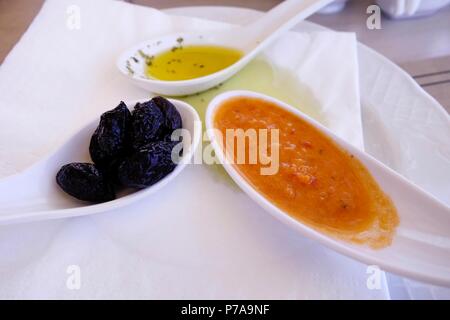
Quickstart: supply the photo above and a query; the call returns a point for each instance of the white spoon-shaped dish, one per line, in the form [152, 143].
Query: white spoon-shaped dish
[251, 40]
[421, 245]
[34, 195]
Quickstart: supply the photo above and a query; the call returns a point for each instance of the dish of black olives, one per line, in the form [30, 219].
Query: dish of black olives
[128, 150]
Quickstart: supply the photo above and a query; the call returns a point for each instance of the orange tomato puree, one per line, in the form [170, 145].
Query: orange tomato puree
[317, 183]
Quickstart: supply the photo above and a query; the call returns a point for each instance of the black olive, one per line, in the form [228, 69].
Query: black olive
[110, 139]
[147, 166]
[172, 118]
[147, 124]
[85, 182]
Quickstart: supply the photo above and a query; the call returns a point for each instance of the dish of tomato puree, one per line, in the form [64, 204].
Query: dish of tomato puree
[317, 182]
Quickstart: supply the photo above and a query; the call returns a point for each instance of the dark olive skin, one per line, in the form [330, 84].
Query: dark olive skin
[172, 118]
[111, 138]
[85, 182]
[147, 166]
[147, 124]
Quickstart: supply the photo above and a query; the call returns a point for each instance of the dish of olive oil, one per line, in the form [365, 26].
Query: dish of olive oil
[183, 63]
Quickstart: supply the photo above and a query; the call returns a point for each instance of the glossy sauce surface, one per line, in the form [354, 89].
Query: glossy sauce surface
[189, 62]
[318, 183]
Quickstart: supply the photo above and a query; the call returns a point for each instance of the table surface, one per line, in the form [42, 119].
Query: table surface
[420, 46]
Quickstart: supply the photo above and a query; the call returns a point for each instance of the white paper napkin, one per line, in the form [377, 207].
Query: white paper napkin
[199, 237]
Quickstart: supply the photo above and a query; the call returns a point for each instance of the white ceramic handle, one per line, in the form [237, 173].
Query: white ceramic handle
[282, 18]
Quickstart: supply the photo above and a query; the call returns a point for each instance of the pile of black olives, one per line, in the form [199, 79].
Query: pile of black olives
[128, 150]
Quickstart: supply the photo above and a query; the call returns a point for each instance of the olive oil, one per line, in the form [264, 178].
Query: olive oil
[189, 62]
